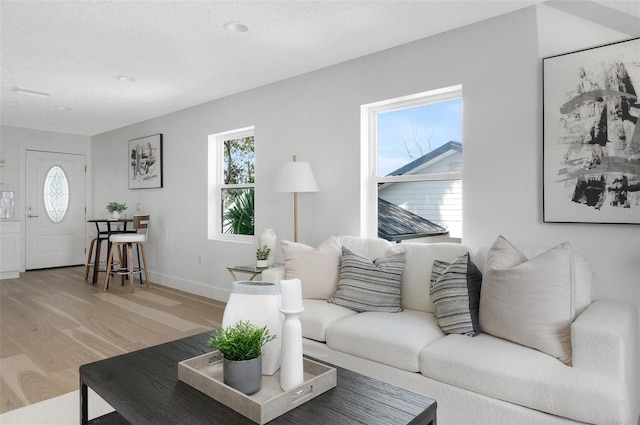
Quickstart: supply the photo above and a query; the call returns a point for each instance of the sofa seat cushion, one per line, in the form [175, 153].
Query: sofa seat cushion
[511, 372]
[318, 315]
[394, 339]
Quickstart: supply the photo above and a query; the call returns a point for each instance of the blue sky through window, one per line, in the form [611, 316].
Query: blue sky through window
[430, 126]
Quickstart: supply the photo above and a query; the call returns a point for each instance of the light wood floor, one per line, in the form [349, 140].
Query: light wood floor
[52, 321]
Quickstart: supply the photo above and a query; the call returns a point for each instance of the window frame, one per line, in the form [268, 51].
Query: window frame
[369, 178]
[216, 185]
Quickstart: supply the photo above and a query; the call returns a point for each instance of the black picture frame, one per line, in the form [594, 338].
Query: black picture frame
[591, 145]
[145, 162]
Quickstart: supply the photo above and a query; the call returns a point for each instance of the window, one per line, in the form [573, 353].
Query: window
[412, 166]
[56, 194]
[232, 185]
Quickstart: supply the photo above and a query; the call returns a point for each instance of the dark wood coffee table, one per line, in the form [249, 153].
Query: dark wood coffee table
[143, 388]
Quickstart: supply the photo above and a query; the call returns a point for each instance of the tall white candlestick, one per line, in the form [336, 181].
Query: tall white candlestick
[291, 368]
[291, 291]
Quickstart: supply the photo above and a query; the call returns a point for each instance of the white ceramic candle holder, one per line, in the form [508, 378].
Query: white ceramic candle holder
[291, 367]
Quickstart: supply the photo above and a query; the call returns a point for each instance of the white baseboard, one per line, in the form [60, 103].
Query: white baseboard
[192, 287]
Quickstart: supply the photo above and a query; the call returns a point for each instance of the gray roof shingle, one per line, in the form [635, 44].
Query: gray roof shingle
[396, 224]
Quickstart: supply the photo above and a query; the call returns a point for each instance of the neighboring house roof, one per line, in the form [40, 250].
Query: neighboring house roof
[424, 159]
[395, 223]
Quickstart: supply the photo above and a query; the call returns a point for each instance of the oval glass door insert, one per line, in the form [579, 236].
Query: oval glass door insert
[56, 194]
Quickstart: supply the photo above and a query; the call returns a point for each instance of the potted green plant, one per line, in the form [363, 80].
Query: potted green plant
[241, 345]
[116, 209]
[262, 257]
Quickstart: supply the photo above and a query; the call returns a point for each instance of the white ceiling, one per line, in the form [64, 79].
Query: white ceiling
[180, 55]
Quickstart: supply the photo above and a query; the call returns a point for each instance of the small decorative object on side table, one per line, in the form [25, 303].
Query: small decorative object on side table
[268, 238]
[262, 257]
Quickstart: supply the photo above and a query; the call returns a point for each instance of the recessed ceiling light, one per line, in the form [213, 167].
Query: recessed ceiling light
[31, 92]
[125, 79]
[235, 26]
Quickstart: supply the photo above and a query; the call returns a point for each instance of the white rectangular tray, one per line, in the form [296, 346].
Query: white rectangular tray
[204, 373]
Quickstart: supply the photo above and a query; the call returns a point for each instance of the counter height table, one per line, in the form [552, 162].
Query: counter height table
[112, 227]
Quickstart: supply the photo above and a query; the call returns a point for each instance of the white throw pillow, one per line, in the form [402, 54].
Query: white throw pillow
[529, 301]
[317, 268]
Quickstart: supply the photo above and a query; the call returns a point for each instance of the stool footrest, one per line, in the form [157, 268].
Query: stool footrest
[126, 271]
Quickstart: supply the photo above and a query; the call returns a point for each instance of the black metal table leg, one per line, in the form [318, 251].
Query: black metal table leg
[84, 404]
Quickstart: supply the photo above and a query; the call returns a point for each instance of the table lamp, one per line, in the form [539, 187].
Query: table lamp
[295, 177]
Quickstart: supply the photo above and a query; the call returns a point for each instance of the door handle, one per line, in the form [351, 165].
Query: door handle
[31, 216]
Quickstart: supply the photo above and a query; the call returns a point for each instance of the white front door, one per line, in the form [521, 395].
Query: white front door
[55, 209]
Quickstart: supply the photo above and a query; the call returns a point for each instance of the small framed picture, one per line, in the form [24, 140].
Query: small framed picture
[592, 135]
[145, 162]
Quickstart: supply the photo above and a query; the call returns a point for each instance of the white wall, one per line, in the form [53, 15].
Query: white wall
[317, 117]
[14, 142]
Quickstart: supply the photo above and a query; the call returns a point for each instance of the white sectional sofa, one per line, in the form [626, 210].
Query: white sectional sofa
[482, 379]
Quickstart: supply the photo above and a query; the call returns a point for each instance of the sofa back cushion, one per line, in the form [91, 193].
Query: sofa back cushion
[371, 248]
[416, 278]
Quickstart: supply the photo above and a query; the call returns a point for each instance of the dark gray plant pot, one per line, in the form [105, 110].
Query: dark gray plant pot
[245, 375]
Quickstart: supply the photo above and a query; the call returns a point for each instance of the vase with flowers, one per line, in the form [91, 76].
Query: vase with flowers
[262, 257]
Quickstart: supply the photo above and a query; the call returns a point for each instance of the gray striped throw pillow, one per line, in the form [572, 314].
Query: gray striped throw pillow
[367, 285]
[455, 291]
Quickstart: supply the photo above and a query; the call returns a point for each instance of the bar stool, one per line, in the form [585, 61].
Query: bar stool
[127, 241]
[90, 263]
[96, 238]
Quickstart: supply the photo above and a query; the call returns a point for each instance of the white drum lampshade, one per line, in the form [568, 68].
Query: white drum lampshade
[295, 177]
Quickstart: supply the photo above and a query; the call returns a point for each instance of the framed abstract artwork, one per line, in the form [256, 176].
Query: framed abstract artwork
[591, 158]
[145, 162]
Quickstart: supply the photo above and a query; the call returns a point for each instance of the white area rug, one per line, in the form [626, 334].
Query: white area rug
[62, 410]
